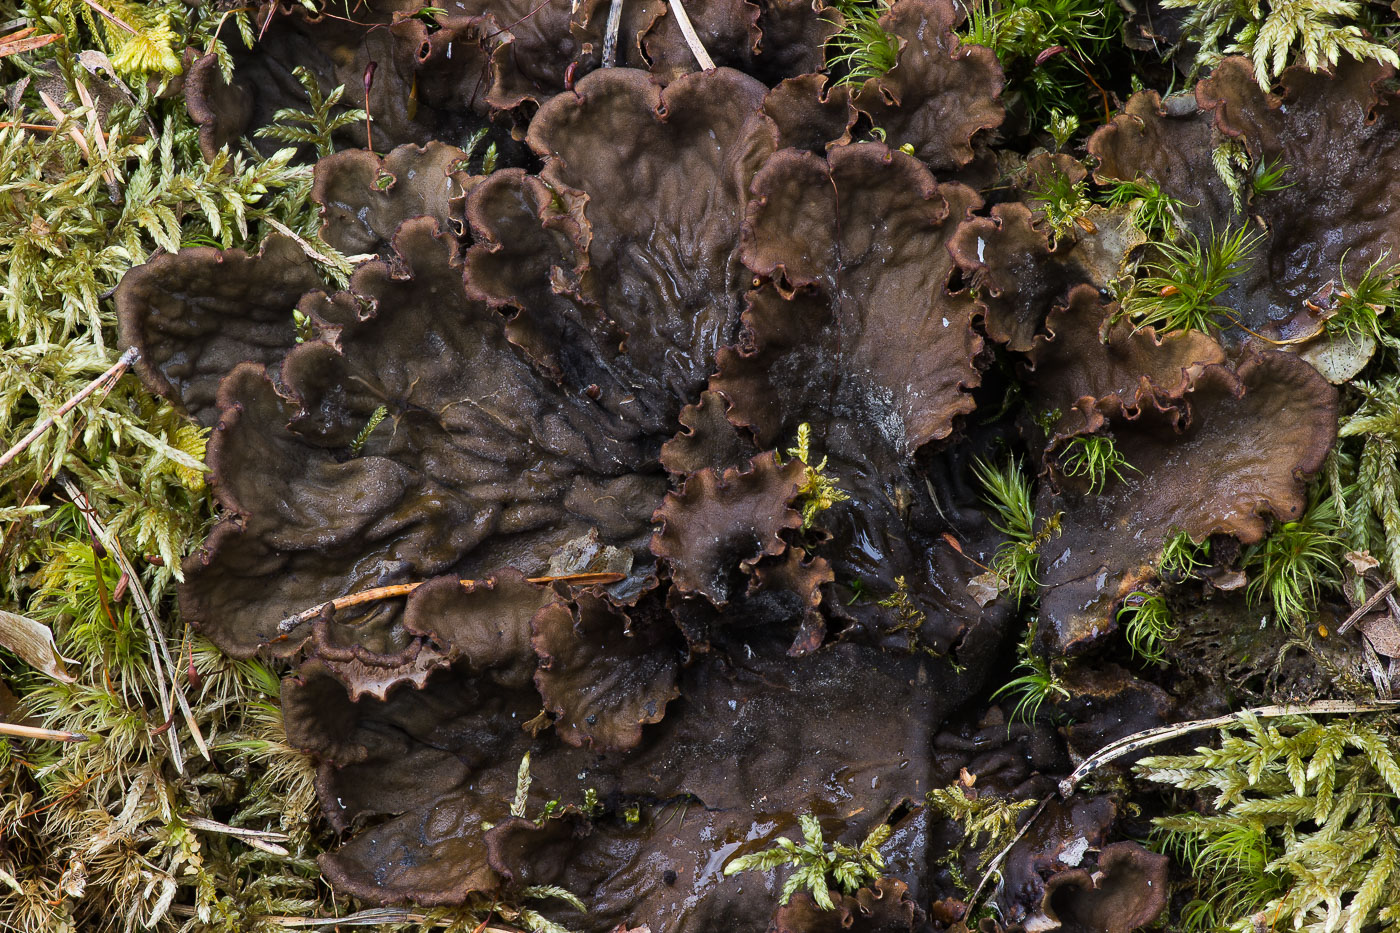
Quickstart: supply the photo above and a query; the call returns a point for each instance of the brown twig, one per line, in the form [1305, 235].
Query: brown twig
[31, 732]
[403, 589]
[23, 41]
[266, 840]
[77, 136]
[1366, 607]
[110, 17]
[50, 128]
[376, 916]
[111, 375]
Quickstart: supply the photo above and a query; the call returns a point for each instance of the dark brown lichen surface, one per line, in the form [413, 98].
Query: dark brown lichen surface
[643, 350]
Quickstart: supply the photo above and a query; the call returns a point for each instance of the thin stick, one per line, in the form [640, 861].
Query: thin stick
[610, 36]
[306, 247]
[374, 917]
[691, 39]
[1137, 740]
[50, 128]
[111, 18]
[1131, 743]
[60, 116]
[31, 732]
[1366, 607]
[147, 612]
[403, 589]
[995, 863]
[111, 375]
[258, 839]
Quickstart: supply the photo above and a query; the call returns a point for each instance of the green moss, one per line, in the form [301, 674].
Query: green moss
[1301, 825]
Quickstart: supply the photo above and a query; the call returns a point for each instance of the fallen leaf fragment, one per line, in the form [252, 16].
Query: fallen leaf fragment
[33, 642]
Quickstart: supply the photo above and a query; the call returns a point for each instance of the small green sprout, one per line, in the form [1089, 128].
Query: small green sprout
[1182, 285]
[1147, 625]
[988, 813]
[305, 330]
[1181, 557]
[430, 13]
[358, 444]
[1096, 457]
[1062, 201]
[1296, 562]
[316, 126]
[1267, 178]
[522, 787]
[819, 491]
[908, 617]
[850, 867]
[1032, 688]
[1047, 419]
[632, 813]
[1061, 127]
[1017, 561]
[1152, 210]
[1359, 305]
[862, 48]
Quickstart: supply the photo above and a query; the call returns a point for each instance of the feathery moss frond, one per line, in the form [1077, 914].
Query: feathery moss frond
[1302, 829]
[316, 126]
[816, 866]
[979, 813]
[819, 491]
[1277, 34]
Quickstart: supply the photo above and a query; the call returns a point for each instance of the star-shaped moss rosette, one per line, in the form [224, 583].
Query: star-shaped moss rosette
[1305, 161]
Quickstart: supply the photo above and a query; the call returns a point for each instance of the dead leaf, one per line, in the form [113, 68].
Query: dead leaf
[34, 643]
[1382, 631]
[986, 587]
[1339, 357]
[1361, 561]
